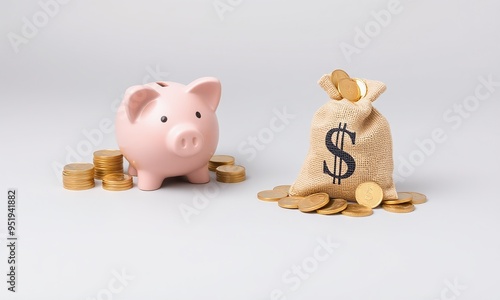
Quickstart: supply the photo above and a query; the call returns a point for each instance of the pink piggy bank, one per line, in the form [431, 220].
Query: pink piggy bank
[167, 129]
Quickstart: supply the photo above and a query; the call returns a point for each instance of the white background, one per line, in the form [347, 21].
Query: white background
[66, 78]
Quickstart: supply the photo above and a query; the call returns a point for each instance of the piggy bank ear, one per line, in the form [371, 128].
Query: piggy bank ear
[136, 98]
[208, 88]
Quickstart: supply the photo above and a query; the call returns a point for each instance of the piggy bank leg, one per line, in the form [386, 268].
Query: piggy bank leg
[132, 171]
[199, 176]
[148, 182]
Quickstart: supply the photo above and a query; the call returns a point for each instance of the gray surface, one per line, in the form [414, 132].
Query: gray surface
[268, 56]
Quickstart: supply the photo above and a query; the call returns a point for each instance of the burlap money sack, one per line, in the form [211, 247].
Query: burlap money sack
[350, 144]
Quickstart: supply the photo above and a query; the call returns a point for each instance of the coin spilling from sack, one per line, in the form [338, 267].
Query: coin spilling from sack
[225, 169]
[349, 88]
[369, 195]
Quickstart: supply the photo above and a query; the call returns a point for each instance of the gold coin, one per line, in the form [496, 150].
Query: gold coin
[80, 181]
[271, 195]
[285, 188]
[79, 188]
[363, 89]
[418, 198]
[402, 198]
[219, 160]
[117, 178]
[357, 210]
[228, 176]
[313, 202]
[333, 207]
[117, 182]
[230, 169]
[349, 89]
[78, 167]
[222, 159]
[399, 208]
[290, 202]
[336, 76]
[78, 176]
[107, 153]
[231, 180]
[369, 194]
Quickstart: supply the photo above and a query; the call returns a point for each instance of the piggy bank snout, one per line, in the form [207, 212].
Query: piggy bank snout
[185, 140]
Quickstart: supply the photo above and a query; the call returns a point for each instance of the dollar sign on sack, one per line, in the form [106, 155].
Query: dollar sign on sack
[340, 157]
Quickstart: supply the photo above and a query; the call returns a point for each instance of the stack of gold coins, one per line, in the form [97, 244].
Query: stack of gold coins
[230, 173]
[78, 176]
[107, 162]
[117, 182]
[220, 160]
[404, 203]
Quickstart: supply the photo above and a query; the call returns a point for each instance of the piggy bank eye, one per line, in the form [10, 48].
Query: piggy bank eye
[164, 119]
[198, 115]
